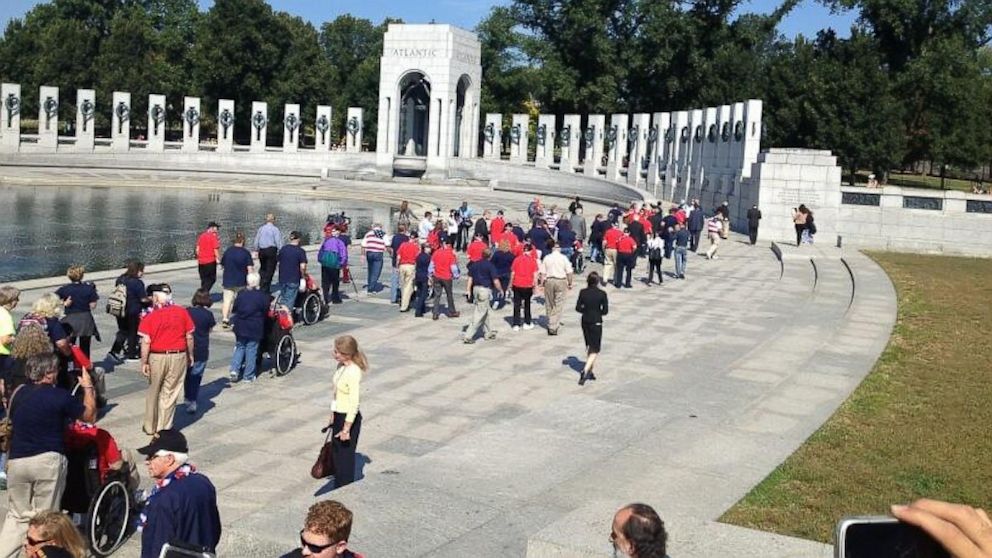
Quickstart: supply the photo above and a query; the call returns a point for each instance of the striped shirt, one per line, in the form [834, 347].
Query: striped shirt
[373, 242]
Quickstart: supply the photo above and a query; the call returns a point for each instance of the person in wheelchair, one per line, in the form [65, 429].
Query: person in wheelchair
[182, 504]
[101, 480]
[309, 303]
[277, 340]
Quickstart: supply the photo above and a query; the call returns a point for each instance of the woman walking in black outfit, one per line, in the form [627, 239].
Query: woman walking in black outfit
[593, 305]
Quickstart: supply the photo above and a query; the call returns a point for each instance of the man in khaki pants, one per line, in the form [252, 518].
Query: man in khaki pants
[556, 273]
[166, 351]
[406, 257]
[611, 240]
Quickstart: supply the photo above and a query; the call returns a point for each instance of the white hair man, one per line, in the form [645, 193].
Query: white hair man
[182, 504]
[166, 352]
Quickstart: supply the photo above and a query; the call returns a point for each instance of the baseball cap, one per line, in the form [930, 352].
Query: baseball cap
[295, 235]
[166, 440]
[213, 224]
[159, 288]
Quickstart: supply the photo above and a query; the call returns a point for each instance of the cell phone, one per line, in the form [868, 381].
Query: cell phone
[884, 537]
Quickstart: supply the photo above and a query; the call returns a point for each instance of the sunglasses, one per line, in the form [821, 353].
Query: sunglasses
[34, 542]
[314, 548]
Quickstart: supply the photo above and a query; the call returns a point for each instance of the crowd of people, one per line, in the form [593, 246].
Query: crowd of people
[49, 379]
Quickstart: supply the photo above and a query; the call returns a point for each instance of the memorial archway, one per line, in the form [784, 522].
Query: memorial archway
[414, 125]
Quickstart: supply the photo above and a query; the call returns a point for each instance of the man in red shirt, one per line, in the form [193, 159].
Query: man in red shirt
[626, 259]
[496, 228]
[611, 239]
[207, 255]
[523, 275]
[444, 260]
[406, 258]
[166, 332]
[475, 249]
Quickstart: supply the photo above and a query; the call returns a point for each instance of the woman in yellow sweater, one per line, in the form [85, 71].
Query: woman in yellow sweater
[345, 417]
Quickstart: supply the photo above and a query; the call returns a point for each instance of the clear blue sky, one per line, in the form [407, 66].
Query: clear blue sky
[807, 18]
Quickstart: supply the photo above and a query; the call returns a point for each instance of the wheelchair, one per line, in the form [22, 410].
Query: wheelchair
[102, 504]
[309, 305]
[578, 257]
[278, 341]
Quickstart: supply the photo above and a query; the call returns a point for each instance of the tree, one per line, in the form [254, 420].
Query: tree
[859, 116]
[353, 47]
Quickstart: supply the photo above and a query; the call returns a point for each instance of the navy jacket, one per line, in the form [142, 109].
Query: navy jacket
[696, 219]
[185, 511]
[248, 314]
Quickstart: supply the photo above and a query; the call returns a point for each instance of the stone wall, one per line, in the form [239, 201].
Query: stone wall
[529, 179]
[916, 220]
[890, 218]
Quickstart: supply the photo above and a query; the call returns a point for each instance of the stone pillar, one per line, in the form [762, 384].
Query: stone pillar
[678, 174]
[638, 139]
[706, 178]
[433, 134]
[48, 118]
[191, 124]
[544, 139]
[291, 128]
[259, 125]
[721, 160]
[354, 129]
[492, 136]
[735, 147]
[616, 145]
[225, 126]
[10, 114]
[85, 112]
[752, 135]
[156, 123]
[656, 150]
[518, 138]
[569, 139]
[387, 132]
[593, 139]
[322, 128]
[120, 134]
[694, 154]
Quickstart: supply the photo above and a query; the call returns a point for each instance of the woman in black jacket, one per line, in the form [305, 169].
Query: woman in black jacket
[593, 305]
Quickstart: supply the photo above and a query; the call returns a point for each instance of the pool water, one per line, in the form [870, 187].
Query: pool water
[46, 229]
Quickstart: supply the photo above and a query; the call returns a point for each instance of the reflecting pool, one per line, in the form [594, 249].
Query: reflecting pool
[45, 229]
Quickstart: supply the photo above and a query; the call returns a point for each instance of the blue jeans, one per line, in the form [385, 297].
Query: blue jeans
[567, 252]
[288, 292]
[194, 375]
[245, 353]
[420, 307]
[374, 260]
[394, 284]
[680, 252]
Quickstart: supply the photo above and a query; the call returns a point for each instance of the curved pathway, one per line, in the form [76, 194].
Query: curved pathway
[705, 385]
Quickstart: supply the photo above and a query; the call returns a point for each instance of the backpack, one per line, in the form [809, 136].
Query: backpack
[654, 253]
[117, 301]
[330, 259]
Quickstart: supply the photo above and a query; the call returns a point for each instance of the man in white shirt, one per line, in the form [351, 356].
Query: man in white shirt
[425, 227]
[556, 275]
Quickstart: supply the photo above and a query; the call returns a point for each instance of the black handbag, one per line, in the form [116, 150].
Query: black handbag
[324, 466]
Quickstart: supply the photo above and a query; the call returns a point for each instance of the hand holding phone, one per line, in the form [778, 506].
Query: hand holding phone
[883, 537]
[965, 532]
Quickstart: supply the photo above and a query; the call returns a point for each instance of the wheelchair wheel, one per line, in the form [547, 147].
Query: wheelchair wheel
[109, 518]
[310, 309]
[284, 356]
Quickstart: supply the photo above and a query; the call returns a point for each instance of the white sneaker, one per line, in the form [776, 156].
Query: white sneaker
[516, 328]
[528, 326]
[191, 407]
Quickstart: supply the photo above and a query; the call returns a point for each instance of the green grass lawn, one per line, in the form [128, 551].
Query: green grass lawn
[916, 181]
[919, 424]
